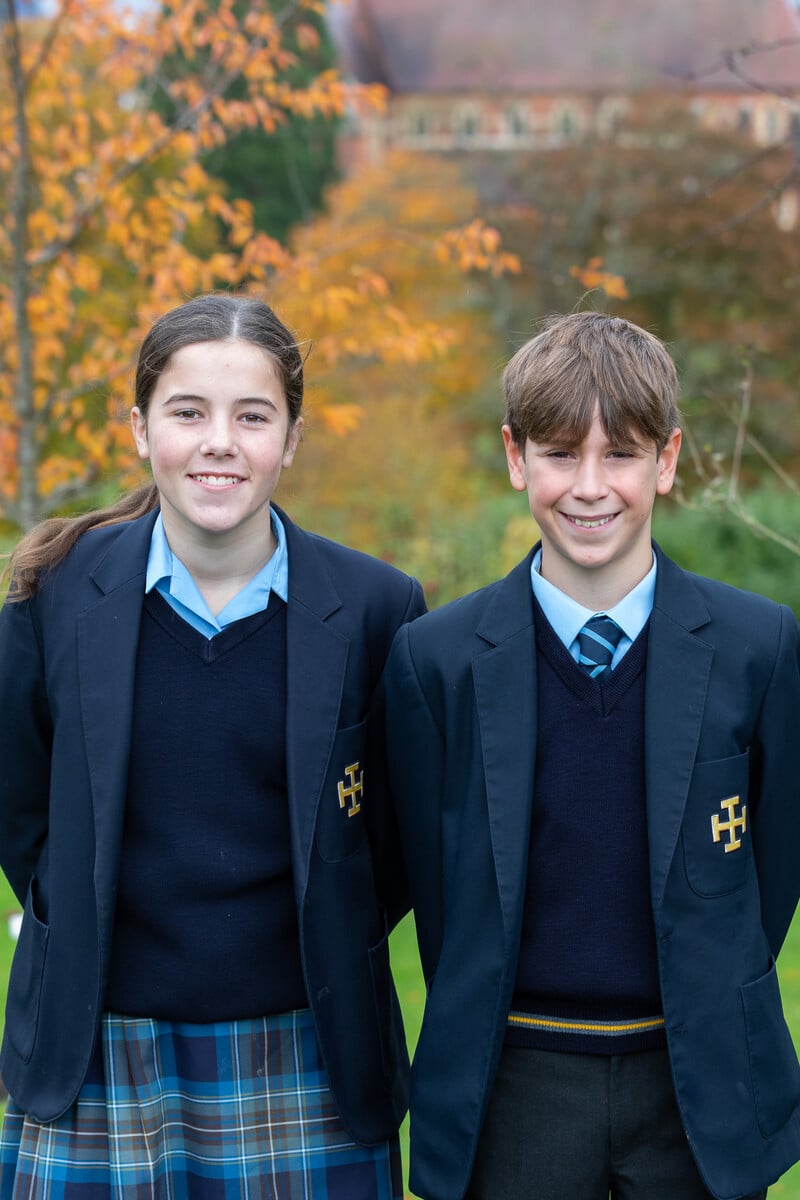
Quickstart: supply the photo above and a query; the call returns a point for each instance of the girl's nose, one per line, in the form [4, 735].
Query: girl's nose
[220, 440]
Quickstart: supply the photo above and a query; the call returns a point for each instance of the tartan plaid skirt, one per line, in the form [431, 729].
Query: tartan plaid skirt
[238, 1110]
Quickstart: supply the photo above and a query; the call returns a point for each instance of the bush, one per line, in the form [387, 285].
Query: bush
[711, 542]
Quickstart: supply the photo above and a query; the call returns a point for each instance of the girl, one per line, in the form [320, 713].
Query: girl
[193, 813]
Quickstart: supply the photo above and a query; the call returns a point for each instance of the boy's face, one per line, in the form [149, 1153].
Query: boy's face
[593, 504]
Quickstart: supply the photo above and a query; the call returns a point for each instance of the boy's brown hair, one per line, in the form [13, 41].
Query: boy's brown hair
[583, 359]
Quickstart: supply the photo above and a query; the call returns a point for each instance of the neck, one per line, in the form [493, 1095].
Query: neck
[599, 589]
[221, 564]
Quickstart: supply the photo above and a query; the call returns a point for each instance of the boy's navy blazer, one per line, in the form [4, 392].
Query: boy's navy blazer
[67, 666]
[722, 720]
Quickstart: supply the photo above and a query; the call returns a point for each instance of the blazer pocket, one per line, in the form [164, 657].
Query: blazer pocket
[716, 830]
[774, 1067]
[340, 828]
[25, 980]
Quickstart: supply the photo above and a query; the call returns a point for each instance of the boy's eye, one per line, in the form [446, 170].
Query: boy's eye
[560, 454]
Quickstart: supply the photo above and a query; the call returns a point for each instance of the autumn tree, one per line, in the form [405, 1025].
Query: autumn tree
[107, 215]
[283, 173]
[694, 222]
[419, 379]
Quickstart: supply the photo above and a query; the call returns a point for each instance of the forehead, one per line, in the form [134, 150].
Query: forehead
[234, 362]
[593, 431]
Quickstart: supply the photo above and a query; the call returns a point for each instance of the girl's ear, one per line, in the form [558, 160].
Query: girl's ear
[139, 427]
[292, 442]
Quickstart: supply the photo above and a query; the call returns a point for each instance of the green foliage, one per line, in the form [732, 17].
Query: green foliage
[711, 543]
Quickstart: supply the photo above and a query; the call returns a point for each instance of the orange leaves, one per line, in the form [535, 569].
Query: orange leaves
[55, 471]
[593, 275]
[476, 246]
[307, 37]
[341, 419]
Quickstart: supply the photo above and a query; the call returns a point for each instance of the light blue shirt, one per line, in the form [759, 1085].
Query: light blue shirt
[567, 617]
[170, 578]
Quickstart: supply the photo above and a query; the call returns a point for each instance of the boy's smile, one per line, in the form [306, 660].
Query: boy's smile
[593, 504]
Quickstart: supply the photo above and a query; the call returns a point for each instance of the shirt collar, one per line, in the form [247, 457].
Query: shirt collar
[166, 572]
[567, 616]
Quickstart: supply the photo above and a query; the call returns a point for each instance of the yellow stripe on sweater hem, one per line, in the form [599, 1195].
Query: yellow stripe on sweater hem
[596, 1027]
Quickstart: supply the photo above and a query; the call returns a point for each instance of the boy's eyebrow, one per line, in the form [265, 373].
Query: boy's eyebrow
[564, 439]
[569, 441]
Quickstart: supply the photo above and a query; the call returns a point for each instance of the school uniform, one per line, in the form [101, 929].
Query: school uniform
[82, 750]
[710, 691]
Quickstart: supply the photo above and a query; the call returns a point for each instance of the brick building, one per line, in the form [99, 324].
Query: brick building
[531, 74]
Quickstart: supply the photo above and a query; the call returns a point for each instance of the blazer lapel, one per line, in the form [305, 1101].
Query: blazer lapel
[108, 633]
[316, 663]
[505, 691]
[678, 668]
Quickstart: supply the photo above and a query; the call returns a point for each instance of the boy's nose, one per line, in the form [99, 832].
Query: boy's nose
[589, 481]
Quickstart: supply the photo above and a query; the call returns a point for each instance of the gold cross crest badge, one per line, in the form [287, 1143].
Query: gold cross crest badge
[732, 825]
[352, 791]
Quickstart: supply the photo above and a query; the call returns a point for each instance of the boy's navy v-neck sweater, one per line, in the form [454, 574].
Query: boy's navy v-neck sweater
[206, 927]
[588, 949]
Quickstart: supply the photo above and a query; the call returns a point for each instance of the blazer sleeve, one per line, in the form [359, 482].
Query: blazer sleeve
[416, 756]
[776, 780]
[25, 745]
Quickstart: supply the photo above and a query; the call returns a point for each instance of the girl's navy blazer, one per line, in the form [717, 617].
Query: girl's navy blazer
[67, 665]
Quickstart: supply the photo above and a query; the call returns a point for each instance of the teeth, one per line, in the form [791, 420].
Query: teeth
[591, 524]
[217, 480]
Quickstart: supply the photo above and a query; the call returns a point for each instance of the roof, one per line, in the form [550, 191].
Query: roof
[424, 46]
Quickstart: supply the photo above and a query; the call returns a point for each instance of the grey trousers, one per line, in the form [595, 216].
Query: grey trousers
[584, 1127]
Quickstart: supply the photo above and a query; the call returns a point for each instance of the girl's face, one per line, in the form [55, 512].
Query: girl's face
[217, 435]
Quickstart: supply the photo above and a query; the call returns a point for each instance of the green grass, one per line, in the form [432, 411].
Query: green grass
[8, 904]
[405, 965]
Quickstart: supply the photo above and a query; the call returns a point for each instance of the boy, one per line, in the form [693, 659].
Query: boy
[601, 826]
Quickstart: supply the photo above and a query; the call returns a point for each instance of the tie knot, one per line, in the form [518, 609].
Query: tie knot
[597, 642]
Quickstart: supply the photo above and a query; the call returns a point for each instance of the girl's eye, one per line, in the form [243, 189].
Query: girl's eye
[186, 414]
[254, 418]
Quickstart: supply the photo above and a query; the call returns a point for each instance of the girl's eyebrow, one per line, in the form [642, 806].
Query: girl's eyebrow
[192, 398]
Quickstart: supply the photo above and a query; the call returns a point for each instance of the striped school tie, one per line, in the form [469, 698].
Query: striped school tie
[597, 642]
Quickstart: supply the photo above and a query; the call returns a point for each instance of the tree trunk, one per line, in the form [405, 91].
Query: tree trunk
[27, 506]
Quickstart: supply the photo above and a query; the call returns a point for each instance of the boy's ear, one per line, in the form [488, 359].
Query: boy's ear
[668, 463]
[515, 457]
